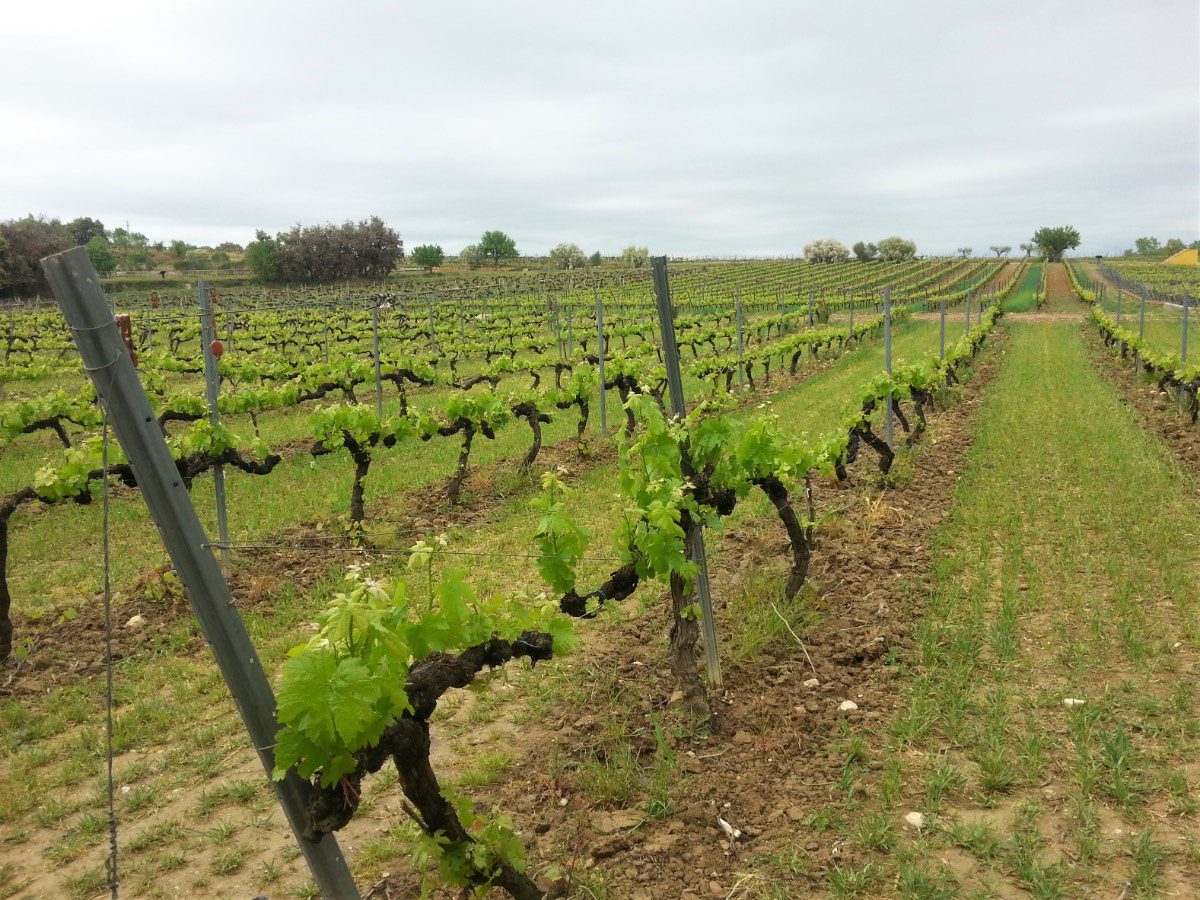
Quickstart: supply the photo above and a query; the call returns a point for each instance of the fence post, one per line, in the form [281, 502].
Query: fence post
[741, 368]
[968, 331]
[85, 308]
[942, 331]
[600, 357]
[695, 537]
[326, 335]
[375, 353]
[887, 355]
[432, 333]
[1183, 349]
[570, 333]
[1141, 332]
[212, 390]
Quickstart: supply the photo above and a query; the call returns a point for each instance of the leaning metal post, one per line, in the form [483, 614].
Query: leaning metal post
[76, 286]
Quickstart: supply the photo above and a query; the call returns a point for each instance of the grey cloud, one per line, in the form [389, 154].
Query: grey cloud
[693, 128]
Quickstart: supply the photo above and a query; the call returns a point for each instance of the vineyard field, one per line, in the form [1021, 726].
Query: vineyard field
[949, 667]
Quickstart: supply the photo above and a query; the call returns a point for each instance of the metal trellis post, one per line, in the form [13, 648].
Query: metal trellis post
[600, 358]
[942, 331]
[375, 352]
[741, 367]
[212, 390]
[85, 308]
[887, 355]
[695, 537]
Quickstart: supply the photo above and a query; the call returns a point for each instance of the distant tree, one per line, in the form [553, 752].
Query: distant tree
[7, 265]
[897, 249]
[428, 256]
[1174, 245]
[101, 255]
[1146, 245]
[218, 259]
[29, 240]
[132, 249]
[323, 253]
[634, 257]
[999, 250]
[84, 229]
[471, 255]
[964, 252]
[229, 247]
[826, 250]
[595, 259]
[567, 256]
[1028, 248]
[1053, 242]
[496, 245]
[262, 259]
[865, 252]
[179, 249]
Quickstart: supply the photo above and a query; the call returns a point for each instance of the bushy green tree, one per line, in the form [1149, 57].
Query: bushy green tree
[428, 256]
[567, 256]
[865, 252]
[1054, 242]
[101, 255]
[262, 259]
[29, 240]
[595, 259]
[496, 245]
[826, 250]
[84, 229]
[896, 249]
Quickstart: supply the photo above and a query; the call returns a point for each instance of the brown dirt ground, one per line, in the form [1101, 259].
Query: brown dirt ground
[770, 763]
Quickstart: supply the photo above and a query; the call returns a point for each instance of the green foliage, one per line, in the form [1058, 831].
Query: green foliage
[343, 688]
[494, 841]
[865, 252]
[496, 245]
[1053, 242]
[101, 255]
[559, 539]
[18, 415]
[428, 256]
[263, 260]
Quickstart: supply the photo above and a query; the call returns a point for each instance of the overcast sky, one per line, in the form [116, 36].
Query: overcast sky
[692, 128]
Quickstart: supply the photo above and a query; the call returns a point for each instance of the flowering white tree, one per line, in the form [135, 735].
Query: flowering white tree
[826, 250]
[896, 249]
[635, 257]
[567, 256]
